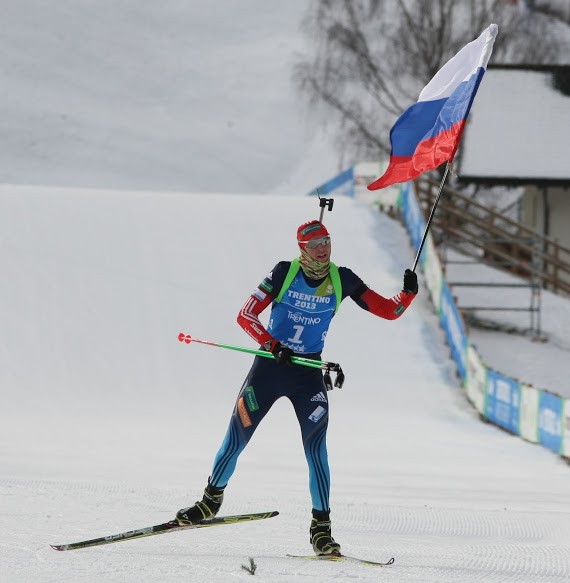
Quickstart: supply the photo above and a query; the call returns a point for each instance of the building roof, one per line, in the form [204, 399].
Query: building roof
[518, 131]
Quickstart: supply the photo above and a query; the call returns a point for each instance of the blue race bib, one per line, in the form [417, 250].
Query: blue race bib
[302, 318]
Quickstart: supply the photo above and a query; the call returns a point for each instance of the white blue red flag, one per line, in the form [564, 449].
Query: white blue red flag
[427, 134]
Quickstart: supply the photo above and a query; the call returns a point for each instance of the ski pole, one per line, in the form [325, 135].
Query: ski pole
[323, 365]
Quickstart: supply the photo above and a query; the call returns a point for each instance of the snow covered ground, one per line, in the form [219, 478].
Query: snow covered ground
[108, 423]
[541, 361]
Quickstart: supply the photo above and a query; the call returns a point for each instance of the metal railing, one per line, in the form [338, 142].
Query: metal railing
[492, 239]
[497, 240]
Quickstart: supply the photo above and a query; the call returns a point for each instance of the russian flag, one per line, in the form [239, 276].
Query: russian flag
[427, 134]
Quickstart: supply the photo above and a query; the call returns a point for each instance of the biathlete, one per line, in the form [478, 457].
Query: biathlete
[305, 294]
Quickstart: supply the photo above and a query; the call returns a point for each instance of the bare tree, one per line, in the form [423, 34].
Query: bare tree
[557, 9]
[372, 57]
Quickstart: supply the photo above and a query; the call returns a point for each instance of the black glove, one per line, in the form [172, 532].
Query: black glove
[281, 353]
[410, 282]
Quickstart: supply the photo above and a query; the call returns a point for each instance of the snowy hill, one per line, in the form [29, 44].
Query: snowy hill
[109, 423]
[145, 95]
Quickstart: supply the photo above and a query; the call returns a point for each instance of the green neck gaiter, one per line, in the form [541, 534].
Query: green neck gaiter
[313, 269]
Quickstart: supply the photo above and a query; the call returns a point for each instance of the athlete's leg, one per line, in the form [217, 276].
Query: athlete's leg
[257, 395]
[312, 410]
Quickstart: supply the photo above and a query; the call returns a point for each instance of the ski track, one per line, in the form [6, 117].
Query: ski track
[429, 544]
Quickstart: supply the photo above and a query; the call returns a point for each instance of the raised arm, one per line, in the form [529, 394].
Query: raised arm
[388, 308]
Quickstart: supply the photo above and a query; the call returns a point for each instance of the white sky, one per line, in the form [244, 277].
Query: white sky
[108, 423]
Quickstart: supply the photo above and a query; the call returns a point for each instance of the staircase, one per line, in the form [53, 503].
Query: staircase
[495, 240]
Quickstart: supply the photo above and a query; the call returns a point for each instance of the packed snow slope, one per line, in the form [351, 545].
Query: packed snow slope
[148, 95]
[108, 423]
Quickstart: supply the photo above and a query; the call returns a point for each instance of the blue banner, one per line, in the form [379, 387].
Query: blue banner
[550, 409]
[503, 401]
[452, 325]
[341, 184]
[413, 217]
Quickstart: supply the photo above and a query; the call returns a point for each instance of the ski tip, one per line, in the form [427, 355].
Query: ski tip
[59, 547]
[341, 557]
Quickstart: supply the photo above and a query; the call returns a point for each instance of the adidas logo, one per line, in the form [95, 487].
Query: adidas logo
[320, 397]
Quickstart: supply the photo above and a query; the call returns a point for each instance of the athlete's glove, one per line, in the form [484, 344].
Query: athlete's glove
[281, 353]
[410, 282]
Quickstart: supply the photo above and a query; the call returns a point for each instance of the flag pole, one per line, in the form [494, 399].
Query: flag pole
[447, 168]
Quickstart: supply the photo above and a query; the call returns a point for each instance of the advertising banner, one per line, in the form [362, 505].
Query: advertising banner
[529, 413]
[476, 379]
[550, 421]
[413, 217]
[503, 401]
[342, 184]
[566, 429]
[433, 272]
[452, 324]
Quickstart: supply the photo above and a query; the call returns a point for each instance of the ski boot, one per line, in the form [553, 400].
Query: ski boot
[205, 509]
[321, 537]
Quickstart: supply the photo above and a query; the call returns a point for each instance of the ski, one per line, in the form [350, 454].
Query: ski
[171, 526]
[337, 558]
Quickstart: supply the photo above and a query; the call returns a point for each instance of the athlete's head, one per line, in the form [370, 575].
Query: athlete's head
[315, 242]
[308, 232]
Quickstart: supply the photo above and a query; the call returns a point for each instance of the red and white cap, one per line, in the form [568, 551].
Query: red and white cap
[311, 230]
